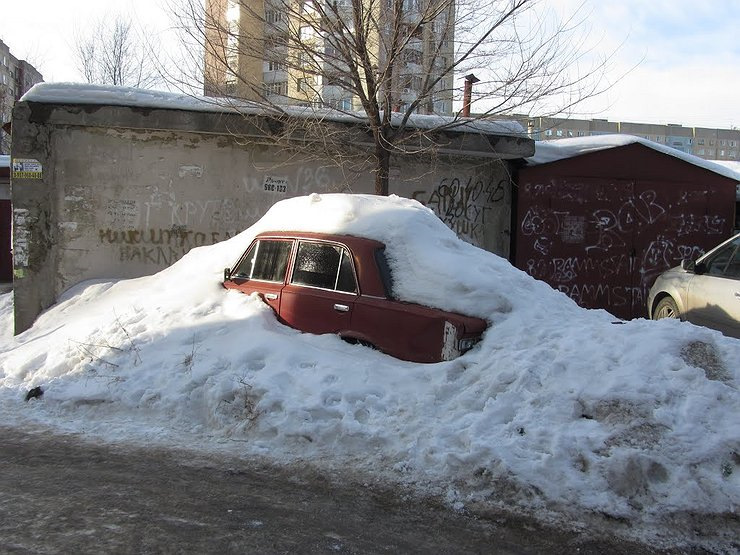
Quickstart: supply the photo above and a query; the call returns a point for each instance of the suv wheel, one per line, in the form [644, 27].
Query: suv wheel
[666, 308]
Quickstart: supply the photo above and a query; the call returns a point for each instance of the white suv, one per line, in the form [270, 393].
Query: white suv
[704, 292]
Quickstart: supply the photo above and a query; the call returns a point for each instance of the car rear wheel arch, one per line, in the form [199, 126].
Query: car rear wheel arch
[356, 340]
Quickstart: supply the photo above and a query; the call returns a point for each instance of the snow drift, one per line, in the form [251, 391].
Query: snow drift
[558, 407]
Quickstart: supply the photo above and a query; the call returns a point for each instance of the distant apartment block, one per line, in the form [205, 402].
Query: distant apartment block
[710, 144]
[253, 53]
[16, 77]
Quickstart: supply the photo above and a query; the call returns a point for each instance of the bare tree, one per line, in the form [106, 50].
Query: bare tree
[384, 61]
[112, 53]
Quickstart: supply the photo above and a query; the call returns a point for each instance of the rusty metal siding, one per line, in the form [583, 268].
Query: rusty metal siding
[603, 240]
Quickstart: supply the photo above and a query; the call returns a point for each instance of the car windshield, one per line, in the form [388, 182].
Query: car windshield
[265, 261]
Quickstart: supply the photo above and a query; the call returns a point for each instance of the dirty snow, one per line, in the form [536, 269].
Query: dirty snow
[559, 410]
[560, 149]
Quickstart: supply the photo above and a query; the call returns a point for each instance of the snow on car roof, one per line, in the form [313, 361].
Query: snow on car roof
[109, 95]
[561, 149]
[557, 410]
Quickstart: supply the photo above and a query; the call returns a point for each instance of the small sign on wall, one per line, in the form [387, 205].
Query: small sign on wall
[27, 168]
[276, 184]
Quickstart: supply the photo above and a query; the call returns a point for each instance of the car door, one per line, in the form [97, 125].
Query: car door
[262, 269]
[321, 292]
[713, 297]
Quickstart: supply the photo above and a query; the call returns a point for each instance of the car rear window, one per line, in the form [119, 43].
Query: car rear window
[385, 272]
[266, 260]
[325, 266]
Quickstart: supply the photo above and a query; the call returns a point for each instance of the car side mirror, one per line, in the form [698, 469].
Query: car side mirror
[227, 274]
[700, 268]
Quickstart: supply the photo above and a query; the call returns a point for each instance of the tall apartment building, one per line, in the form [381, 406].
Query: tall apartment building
[710, 144]
[254, 51]
[16, 77]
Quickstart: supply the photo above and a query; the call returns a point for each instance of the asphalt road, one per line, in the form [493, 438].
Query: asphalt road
[59, 494]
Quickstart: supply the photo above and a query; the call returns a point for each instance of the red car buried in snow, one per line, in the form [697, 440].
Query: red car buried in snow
[320, 283]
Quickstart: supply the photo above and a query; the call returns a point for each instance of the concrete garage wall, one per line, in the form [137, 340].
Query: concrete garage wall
[125, 192]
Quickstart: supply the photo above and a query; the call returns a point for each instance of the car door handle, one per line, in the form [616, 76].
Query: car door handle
[341, 307]
[271, 296]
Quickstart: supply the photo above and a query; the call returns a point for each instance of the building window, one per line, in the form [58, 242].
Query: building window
[345, 104]
[273, 16]
[581, 134]
[412, 56]
[559, 132]
[275, 66]
[722, 152]
[732, 143]
[548, 133]
[276, 41]
[700, 141]
[278, 87]
[701, 152]
[305, 84]
[711, 142]
[733, 154]
[724, 143]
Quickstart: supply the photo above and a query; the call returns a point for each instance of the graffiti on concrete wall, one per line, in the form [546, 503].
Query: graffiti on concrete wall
[605, 248]
[464, 204]
[160, 227]
[158, 246]
[159, 230]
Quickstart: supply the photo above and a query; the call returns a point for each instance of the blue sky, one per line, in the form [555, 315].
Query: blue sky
[686, 53]
[688, 57]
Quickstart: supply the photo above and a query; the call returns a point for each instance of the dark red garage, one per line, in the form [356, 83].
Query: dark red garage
[599, 218]
[6, 259]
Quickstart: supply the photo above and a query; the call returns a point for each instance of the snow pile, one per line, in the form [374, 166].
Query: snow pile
[110, 95]
[557, 409]
[560, 149]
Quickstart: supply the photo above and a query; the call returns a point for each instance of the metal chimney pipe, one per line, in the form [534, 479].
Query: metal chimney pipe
[468, 93]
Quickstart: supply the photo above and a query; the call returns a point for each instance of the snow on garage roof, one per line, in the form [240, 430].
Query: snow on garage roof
[560, 149]
[108, 95]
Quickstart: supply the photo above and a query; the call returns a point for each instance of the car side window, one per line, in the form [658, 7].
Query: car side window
[324, 266]
[733, 266]
[724, 262]
[266, 260]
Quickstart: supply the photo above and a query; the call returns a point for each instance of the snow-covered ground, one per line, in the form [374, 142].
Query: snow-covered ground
[558, 411]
